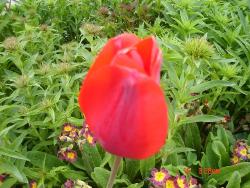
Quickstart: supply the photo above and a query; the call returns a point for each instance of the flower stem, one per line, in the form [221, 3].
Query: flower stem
[114, 170]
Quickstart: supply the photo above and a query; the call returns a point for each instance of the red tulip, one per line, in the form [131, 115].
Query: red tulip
[121, 99]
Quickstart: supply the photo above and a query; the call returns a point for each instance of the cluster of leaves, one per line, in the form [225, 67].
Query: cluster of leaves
[46, 48]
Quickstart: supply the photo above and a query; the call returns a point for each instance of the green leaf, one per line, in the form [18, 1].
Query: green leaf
[136, 185]
[200, 118]
[44, 160]
[226, 172]
[8, 183]
[73, 174]
[173, 75]
[234, 181]
[91, 158]
[93, 154]
[75, 120]
[211, 183]
[211, 84]
[192, 131]
[146, 166]
[191, 158]
[7, 167]
[19, 140]
[51, 112]
[173, 159]
[220, 150]
[13, 154]
[223, 137]
[80, 164]
[246, 184]
[5, 107]
[32, 173]
[6, 130]
[100, 176]
[132, 168]
[122, 180]
[211, 158]
[106, 159]
[172, 150]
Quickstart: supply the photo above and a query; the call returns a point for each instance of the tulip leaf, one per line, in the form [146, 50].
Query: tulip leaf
[234, 181]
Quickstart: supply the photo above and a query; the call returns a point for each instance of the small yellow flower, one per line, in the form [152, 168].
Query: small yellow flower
[70, 130]
[71, 155]
[159, 177]
[235, 159]
[67, 154]
[33, 184]
[90, 139]
[181, 181]
[243, 152]
[67, 127]
[170, 183]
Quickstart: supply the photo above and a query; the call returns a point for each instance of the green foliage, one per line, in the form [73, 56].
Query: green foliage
[47, 47]
[146, 165]
[227, 173]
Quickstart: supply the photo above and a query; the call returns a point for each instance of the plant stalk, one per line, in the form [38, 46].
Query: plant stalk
[114, 170]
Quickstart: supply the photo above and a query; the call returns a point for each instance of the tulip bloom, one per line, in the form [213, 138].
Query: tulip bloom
[121, 99]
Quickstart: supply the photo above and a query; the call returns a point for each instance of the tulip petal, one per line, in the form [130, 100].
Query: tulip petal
[125, 110]
[113, 46]
[126, 62]
[151, 56]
